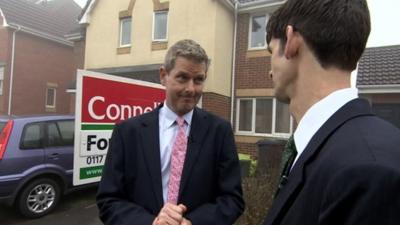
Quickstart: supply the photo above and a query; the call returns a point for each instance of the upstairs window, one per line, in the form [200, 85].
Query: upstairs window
[125, 32]
[51, 97]
[257, 32]
[160, 22]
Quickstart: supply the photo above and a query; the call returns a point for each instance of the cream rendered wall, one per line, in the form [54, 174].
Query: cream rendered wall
[206, 21]
[220, 81]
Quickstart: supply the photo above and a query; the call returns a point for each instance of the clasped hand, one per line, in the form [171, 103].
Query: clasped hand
[172, 214]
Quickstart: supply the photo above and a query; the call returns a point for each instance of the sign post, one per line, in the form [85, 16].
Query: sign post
[102, 101]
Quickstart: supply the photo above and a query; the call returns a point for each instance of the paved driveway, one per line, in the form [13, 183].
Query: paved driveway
[75, 208]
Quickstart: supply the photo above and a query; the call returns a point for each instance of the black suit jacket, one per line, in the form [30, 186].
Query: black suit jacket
[349, 174]
[130, 191]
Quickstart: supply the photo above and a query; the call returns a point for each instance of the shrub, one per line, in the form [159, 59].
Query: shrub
[258, 192]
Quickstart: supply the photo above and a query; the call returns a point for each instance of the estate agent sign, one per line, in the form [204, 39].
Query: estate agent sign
[103, 100]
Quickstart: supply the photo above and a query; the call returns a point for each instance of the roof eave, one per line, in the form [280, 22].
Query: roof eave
[4, 18]
[74, 37]
[379, 89]
[85, 19]
[259, 5]
[41, 34]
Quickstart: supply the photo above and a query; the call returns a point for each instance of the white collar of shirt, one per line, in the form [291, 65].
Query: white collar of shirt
[318, 114]
[168, 117]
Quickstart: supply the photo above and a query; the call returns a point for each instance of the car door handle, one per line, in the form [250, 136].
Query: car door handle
[54, 156]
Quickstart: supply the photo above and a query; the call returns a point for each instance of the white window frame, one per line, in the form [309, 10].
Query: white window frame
[121, 22]
[54, 98]
[1, 79]
[154, 26]
[251, 28]
[253, 120]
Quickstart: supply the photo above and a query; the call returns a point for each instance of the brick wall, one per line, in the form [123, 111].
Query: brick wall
[5, 40]
[38, 62]
[217, 104]
[247, 148]
[251, 72]
[79, 54]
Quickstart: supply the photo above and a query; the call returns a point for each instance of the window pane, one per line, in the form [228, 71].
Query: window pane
[126, 31]
[53, 136]
[258, 24]
[245, 114]
[264, 116]
[67, 132]
[160, 25]
[282, 124]
[31, 138]
[50, 99]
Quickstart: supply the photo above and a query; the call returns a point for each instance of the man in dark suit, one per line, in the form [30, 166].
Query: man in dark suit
[177, 165]
[346, 161]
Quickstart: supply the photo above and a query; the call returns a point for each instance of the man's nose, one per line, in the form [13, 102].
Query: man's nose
[190, 87]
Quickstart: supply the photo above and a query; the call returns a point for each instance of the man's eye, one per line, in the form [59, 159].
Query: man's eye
[181, 78]
[199, 80]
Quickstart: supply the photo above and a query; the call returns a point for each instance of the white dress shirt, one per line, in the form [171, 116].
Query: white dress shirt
[318, 114]
[168, 129]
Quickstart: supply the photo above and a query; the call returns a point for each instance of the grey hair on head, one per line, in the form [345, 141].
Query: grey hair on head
[188, 49]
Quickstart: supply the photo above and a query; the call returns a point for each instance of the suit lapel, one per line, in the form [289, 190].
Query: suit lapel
[198, 131]
[151, 149]
[354, 108]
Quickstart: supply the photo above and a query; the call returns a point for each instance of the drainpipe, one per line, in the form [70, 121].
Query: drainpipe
[234, 62]
[12, 69]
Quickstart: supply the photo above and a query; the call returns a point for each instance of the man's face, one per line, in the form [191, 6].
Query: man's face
[282, 72]
[184, 84]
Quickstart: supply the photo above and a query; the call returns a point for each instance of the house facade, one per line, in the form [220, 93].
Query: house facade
[37, 61]
[378, 80]
[130, 38]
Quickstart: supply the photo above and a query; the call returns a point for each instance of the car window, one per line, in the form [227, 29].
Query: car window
[53, 135]
[67, 131]
[60, 133]
[31, 136]
[2, 125]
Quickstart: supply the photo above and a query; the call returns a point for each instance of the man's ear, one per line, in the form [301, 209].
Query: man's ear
[163, 75]
[292, 42]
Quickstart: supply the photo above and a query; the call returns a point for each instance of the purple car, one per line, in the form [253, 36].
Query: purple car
[36, 162]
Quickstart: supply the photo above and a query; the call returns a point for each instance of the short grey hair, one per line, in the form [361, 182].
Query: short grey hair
[188, 49]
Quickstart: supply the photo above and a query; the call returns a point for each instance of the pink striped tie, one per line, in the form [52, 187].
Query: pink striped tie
[177, 160]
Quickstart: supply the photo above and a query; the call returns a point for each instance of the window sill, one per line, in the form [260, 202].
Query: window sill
[256, 53]
[159, 45]
[50, 109]
[240, 134]
[123, 50]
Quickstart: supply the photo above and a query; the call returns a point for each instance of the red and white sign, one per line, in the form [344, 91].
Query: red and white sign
[101, 101]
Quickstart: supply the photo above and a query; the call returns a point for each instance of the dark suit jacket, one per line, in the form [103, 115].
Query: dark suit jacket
[349, 174]
[130, 191]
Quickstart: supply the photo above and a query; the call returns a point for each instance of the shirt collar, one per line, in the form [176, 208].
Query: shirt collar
[318, 114]
[170, 116]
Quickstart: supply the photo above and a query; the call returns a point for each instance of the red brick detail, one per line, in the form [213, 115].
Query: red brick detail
[217, 104]
[250, 72]
[248, 148]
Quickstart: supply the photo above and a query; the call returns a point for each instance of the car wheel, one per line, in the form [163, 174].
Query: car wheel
[38, 198]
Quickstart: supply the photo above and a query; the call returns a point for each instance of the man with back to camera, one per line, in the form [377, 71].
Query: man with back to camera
[344, 165]
[178, 164]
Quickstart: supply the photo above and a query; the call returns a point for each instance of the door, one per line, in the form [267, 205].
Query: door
[59, 148]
